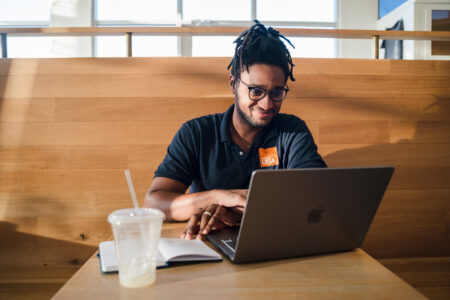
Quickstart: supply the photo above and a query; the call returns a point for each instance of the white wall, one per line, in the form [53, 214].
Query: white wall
[356, 14]
[404, 12]
[416, 15]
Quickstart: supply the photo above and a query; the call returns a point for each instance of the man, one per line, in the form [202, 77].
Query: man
[216, 154]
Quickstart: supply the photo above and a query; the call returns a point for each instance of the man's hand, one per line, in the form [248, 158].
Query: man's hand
[234, 199]
[214, 217]
[169, 196]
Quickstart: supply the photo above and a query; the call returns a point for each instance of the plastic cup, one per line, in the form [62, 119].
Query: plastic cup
[136, 235]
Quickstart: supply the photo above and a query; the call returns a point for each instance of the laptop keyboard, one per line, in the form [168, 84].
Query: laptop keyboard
[231, 243]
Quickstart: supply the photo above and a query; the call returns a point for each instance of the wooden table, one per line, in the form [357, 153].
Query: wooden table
[346, 275]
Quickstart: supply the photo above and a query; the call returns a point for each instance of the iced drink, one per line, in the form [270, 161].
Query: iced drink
[136, 235]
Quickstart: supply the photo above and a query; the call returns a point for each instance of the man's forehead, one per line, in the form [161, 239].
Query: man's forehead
[264, 74]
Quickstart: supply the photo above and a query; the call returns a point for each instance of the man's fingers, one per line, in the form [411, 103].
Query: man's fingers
[213, 220]
[218, 225]
[238, 209]
[232, 218]
[191, 227]
[206, 216]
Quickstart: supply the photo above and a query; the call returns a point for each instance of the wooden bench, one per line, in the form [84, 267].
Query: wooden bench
[68, 128]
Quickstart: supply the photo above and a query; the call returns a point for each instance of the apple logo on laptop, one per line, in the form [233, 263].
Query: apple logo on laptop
[315, 215]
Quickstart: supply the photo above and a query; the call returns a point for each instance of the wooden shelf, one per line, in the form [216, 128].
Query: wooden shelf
[232, 31]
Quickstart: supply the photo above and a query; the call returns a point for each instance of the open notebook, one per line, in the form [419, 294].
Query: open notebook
[170, 250]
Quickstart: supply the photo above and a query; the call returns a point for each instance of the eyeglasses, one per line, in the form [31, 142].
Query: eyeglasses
[258, 93]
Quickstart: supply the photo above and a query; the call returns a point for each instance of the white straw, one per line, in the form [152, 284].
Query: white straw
[131, 188]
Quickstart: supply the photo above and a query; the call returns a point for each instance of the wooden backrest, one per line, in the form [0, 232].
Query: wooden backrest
[68, 128]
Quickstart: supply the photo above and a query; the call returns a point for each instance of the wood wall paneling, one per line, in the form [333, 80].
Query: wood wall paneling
[68, 128]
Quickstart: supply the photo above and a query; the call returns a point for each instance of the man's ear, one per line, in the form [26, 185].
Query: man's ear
[231, 83]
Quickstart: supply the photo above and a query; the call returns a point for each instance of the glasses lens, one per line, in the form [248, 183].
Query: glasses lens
[256, 93]
[277, 94]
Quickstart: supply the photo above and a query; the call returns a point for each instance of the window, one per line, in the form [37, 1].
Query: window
[24, 12]
[217, 10]
[280, 13]
[213, 46]
[296, 10]
[136, 12]
[240, 13]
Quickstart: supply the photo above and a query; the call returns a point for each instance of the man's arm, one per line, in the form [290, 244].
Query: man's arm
[170, 197]
[302, 151]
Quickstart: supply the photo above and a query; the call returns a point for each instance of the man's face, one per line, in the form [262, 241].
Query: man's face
[258, 114]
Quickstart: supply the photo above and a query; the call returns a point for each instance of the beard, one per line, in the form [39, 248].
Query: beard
[248, 118]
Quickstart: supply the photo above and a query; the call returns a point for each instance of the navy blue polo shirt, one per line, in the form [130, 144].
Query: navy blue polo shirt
[202, 154]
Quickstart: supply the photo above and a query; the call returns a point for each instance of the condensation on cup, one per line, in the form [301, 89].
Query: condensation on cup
[136, 235]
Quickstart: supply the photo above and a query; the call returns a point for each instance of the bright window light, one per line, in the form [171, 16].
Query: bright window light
[295, 10]
[154, 46]
[44, 46]
[24, 10]
[231, 10]
[219, 46]
[312, 47]
[137, 11]
[111, 46]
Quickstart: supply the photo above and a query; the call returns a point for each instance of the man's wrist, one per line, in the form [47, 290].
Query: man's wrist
[216, 197]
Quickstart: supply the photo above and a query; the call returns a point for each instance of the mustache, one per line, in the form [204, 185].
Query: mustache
[265, 111]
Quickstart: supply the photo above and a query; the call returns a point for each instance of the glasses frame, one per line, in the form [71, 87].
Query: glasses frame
[266, 92]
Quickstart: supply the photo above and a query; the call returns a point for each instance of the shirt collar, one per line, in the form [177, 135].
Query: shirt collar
[225, 134]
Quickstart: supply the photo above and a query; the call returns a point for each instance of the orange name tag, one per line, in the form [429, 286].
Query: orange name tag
[268, 157]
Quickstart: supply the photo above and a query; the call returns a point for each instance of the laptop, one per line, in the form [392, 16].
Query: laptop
[298, 212]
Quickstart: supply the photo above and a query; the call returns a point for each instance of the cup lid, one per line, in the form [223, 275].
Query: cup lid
[135, 214]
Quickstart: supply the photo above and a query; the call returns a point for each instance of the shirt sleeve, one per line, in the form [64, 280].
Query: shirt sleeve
[301, 149]
[180, 162]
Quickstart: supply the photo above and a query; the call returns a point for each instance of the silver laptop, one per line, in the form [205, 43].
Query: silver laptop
[300, 212]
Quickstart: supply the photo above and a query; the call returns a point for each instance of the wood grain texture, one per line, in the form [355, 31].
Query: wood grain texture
[137, 109]
[68, 128]
[214, 85]
[347, 132]
[232, 31]
[26, 110]
[349, 275]
[368, 109]
[87, 133]
[429, 275]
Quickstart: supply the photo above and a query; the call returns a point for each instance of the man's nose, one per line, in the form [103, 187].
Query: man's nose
[266, 103]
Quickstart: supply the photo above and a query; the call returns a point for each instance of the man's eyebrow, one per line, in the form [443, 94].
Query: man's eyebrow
[263, 86]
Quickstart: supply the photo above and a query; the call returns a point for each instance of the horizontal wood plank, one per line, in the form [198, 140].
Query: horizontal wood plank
[429, 275]
[400, 235]
[113, 65]
[420, 67]
[215, 85]
[420, 132]
[232, 31]
[80, 203]
[368, 109]
[137, 109]
[354, 132]
[63, 157]
[400, 154]
[26, 110]
[88, 133]
[419, 177]
[148, 65]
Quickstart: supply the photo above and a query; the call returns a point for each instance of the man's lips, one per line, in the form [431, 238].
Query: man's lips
[265, 113]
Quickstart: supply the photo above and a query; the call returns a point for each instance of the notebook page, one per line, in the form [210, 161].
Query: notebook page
[108, 257]
[186, 250]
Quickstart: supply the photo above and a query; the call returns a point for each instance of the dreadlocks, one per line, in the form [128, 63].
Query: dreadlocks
[259, 44]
